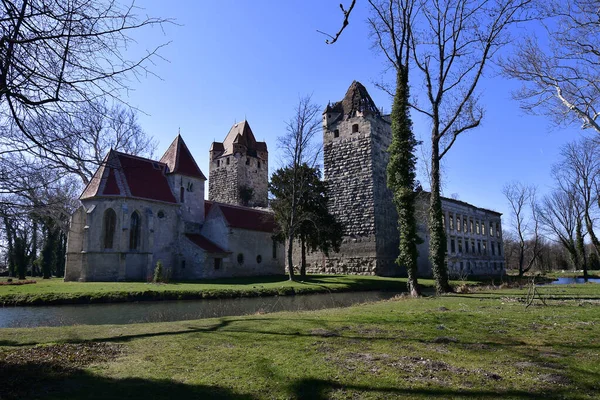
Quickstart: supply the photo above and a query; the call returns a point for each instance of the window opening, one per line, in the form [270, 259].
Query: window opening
[134, 231]
[110, 222]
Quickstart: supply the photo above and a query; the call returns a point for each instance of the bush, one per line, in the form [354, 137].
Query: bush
[158, 272]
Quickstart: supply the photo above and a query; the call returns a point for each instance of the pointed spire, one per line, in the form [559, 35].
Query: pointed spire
[180, 161]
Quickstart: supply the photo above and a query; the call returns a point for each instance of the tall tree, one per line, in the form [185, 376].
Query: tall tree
[525, 222]
[391, 24]
[298, 149]
[579, 170]
[560, 74]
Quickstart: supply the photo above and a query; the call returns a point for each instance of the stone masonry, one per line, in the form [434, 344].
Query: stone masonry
[238, 169]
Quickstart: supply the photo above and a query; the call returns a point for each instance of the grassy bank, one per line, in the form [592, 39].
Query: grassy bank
[484, 345]
[55, 291]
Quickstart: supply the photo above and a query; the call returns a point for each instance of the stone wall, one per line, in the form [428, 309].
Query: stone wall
[88, 260]
[192, 209]
[227, 180]
[347, 168]
[223, 184]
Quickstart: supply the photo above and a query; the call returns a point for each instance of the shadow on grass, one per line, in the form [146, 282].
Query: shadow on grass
[320, 389]
[51, 381]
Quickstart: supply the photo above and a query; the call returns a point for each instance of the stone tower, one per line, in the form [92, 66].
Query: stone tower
[239, 169]
[355, 141]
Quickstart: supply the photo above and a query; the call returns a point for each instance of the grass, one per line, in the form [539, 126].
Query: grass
[55, 291]
[481, 345]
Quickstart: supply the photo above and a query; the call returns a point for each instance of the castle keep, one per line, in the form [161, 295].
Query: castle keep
[356, 137]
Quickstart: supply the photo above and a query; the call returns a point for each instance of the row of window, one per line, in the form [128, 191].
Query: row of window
[481, 247]
[110, 224]
[468, 225]
[483, 265]
[248, 162]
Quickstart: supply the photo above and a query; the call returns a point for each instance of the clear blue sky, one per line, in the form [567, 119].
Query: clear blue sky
[229, 60]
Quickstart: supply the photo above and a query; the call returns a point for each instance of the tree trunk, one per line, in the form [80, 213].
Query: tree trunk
[581, 249]
[33, 258]
[437, 236]
[11, 251]
[303, 262]
[290, 248]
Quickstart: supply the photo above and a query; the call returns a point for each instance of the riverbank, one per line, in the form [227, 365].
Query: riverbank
[463, 346]
[57, 292]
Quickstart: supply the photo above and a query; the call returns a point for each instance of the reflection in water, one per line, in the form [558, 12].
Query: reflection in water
[162, 311]
[569, 281]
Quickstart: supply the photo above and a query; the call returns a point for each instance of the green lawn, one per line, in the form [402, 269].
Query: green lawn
[55, 291]
[471, 346]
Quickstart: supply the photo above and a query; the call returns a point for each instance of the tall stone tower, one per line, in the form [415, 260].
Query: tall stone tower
[239, 169]
[355, 141]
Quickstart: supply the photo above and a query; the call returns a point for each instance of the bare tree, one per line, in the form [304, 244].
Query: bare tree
[579, 170]
[299, 150]
[561, 79]
[80, 140]
[525, 223]
[558, 218]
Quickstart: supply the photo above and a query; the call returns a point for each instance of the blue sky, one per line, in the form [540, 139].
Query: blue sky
[229, 60]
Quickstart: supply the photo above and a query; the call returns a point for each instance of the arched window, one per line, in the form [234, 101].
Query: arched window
[181, 195]
[134, 231]
[110, 221]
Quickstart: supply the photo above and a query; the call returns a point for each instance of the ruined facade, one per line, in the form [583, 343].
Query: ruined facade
[239, 169]
[136, 212]
[356, 137]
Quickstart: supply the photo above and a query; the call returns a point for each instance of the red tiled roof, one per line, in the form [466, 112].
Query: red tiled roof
[244, 217]
[204, 243]
[130, 176]
[180, 161]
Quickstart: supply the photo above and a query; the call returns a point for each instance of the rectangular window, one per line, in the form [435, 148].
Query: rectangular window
[465, 225]
[497, 230]
[466, 246]
[484, 248]
[491, 229]
[451, 222]
[458, 227]
[258, 164]
[218, 262]
[493, 247]
[477, 227]
[452, 246]
[336, 133]
[479, 246]
[355, 128]
[227, 161]
[482, 228]
[471, 226]
[460, 245]
[218, 163]
[473, 246]
[499, 249]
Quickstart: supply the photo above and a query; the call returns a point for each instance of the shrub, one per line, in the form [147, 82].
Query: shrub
[158, 272]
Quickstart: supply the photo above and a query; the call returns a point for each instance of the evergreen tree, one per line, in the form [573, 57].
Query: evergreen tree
[315, 227]
[401, 174]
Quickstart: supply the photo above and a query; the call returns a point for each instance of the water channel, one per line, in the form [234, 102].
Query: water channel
[163, 311]
[570, 281]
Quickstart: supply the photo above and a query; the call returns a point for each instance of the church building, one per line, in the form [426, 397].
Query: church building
[137, 212]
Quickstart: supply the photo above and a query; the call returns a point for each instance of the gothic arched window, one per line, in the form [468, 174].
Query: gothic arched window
[110, 222]
[134, 231]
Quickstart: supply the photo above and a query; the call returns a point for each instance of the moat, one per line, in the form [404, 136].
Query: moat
[164, 311]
